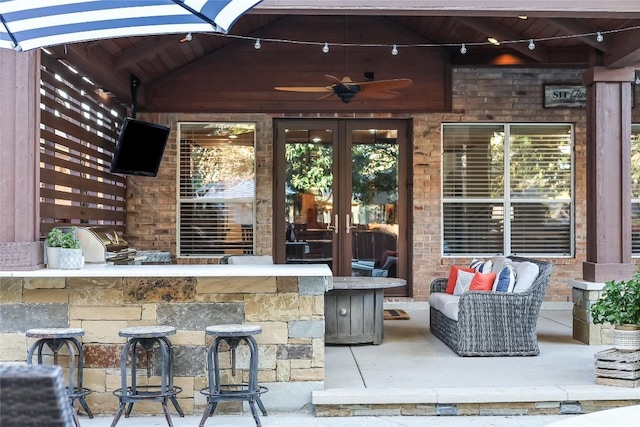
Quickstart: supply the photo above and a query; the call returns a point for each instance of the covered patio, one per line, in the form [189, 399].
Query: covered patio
[212, 79]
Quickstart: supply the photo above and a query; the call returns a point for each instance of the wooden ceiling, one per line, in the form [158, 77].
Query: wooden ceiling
[564, 34]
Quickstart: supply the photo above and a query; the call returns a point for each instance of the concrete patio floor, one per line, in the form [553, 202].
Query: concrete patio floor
[412, 367]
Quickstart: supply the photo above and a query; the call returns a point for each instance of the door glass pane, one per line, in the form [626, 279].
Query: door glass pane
[309, 196]
[374, 202]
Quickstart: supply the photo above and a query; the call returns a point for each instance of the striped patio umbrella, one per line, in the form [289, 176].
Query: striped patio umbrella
[30, 24]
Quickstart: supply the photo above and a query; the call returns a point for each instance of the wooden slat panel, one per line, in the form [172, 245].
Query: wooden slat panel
[76, 147]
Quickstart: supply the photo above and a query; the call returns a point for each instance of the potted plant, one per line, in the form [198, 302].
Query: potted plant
[619, 305]
[69, 255]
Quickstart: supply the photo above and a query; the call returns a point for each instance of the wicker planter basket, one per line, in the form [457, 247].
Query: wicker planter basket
[626, 337]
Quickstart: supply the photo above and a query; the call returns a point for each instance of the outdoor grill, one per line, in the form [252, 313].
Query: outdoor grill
[103, 244]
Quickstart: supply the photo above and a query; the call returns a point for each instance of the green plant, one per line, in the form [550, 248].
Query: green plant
[59, 239]
[619, 303]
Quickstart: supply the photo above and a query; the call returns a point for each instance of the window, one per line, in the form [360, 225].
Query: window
[217, 189]
[635, 190]
[507, 189]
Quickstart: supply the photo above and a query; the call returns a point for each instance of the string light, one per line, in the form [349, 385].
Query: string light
[599, 36]
[186, 38]
[532, 45]
[394, 50]
[325, 48]
[463, 49]
[257, 44]
[637, 82]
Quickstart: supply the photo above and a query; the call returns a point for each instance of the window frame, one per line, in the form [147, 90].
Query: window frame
[506, 199]
[182, 200]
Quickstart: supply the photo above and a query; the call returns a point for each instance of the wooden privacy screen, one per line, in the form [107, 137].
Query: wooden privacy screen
[78, 131]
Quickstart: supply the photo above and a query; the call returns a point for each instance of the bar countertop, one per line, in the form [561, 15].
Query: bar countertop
[177, 270]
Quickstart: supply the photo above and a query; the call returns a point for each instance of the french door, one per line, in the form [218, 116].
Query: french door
[341, 196]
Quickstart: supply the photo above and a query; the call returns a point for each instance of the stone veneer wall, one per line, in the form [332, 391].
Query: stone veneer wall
[479, 95]
[290, 311]
[584, 330]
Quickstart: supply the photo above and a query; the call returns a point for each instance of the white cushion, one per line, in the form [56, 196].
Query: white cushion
[450, 310]
[526, 273]
[505, 279]
[463, 282]
[438, 300]
[497, 262]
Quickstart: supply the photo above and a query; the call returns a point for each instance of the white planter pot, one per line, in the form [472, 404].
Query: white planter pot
[53, 257]
[71, 259]
[626, 337]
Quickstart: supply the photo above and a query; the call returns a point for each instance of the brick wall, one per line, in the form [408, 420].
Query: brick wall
[495, 95]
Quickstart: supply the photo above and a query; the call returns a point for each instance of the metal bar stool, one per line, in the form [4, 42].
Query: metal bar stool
[148, 337]
[233, 335]
[55, 339]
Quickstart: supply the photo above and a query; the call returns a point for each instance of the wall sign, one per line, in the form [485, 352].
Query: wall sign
[566, 95]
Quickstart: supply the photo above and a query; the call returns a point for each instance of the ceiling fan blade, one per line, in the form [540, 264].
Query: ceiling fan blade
[306, 89]
[382, 85]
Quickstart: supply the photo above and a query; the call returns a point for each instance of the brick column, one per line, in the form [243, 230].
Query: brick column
[19, 160]
[609, 98]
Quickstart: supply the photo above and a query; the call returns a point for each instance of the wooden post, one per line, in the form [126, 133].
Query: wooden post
[608, 174]
[20, 247]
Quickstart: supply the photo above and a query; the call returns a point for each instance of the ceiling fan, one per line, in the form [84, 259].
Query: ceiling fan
[346, 88]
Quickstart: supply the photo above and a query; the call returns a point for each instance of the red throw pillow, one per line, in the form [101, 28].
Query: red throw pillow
[482, 282]
[453, 276]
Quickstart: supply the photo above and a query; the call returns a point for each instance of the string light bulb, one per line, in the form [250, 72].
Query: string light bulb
[532, 45]
[186, 38]
[599, 37]
[637, 82]
[463, 49]
[257, 45]
[325, 48]
[394, 50]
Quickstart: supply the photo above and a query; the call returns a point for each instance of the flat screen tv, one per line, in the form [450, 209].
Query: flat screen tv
[139, 148]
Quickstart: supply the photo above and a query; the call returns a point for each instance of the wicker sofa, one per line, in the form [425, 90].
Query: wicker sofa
[493, 323]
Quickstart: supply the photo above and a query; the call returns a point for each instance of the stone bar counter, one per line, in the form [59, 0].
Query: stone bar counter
[287, 301]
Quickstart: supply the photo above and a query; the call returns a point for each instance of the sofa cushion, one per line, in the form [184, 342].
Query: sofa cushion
[481, 266]
[526, 273]
[505, 279]
[482, 282]
[453, 276]
[497, 262]
[438, 300]
[463, 282]
[450, 310]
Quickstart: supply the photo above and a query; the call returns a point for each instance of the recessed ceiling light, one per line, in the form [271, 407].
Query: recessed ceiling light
[493, 41]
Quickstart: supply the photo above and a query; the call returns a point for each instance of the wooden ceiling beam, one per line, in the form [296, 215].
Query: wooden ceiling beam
[501, 8]
[625, 50]
[143, 50]
[572, 27]
[96, 64]
[491, 28]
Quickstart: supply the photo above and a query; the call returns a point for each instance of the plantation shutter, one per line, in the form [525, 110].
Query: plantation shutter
[217, 190]
[473, 189]
[523, 170]
[635, 189]
[78, 130]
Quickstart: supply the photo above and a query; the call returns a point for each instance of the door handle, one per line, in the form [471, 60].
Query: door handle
[349, 227]
[335, 226]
